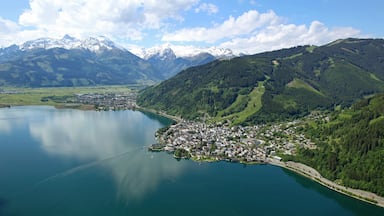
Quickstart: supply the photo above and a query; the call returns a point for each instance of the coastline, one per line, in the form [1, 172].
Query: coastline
[313, 174]
[298, 168]
[174, 118]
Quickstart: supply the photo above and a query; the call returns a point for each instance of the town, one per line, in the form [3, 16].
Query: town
[110, 101]
[216, 142]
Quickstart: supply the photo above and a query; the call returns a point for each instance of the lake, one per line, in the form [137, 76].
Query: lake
[72, 162]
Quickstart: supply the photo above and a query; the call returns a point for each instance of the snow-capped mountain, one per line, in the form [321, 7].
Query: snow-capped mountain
[96, 60]
[73, 62]
[93, 44]
[221, 52]
[168, 63]
[169, 50]
[159, 53]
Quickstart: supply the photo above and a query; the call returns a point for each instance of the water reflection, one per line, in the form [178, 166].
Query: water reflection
[14, 117]
[115, 141]
[5, 126]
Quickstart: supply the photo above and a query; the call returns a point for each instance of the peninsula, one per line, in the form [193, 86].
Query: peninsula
[267, 143]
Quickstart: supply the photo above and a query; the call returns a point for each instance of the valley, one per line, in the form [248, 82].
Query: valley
[69, 62]
[97, 97]
[318, 106]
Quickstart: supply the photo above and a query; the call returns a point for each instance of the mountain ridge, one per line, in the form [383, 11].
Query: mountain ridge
[92, 61]
[295, 81]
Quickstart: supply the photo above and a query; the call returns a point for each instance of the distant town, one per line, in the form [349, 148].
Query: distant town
[110, 101]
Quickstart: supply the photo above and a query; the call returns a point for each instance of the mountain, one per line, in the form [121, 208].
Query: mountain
[167, 64]
[169, 60]
[274, 85]
[186, 51]
[93, 44]
[72, 62]
[94, 61]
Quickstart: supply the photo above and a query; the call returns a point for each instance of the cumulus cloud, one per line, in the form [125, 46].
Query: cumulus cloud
[232, 27]
[114, 17]
[282, 36]
[138, 20]
[7, 26]
[254, 32]
[7, 31]
[208, 8]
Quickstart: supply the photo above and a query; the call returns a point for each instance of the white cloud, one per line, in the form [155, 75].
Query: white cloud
[232, 27]
[252, 2]
[254, 32]
[7, 26]
[7, 31]
[287, 35]
[208, 8]
[127, 19]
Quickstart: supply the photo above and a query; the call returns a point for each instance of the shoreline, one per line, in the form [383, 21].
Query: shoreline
[298, 168]
[314, 175]
[163, 114]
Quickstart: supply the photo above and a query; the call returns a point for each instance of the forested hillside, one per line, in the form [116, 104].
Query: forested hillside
[350, 146]
[274, 85]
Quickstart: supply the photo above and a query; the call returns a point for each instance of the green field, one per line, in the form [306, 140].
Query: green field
[252, 103]
[35, 96]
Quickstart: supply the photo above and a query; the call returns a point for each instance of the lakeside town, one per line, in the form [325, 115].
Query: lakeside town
[203, 141]
[110, 101]
[216, 142]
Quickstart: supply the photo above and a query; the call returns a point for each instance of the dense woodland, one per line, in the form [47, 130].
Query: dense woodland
[350, 146]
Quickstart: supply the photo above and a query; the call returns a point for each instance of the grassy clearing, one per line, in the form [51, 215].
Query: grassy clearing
[374, 77]
[376, 120]
[294, 56]
[311, 49]
[253, 104]
[298, 83]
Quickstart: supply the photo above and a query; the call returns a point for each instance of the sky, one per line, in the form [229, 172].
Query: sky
[244, 26]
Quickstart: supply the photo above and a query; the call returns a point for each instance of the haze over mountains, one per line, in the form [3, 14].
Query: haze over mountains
[93, 61]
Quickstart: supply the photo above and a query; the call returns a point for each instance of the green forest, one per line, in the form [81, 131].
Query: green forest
[350, 146]
[290, 83]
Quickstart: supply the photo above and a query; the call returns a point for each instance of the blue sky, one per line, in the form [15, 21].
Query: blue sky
[247, 26]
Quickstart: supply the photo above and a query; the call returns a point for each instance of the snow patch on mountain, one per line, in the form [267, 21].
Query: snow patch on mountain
[93, 44]
[169, 50]
[190, 51]
[160, 52]
[100, 43]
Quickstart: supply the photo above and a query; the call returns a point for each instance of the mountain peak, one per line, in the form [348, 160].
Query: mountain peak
[176, 51]
[93, 44]
[68, 38]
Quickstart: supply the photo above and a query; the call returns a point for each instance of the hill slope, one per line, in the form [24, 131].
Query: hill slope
[291, 82]
[350, 147]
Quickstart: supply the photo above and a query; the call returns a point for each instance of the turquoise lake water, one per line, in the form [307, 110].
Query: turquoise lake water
[72, 162]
